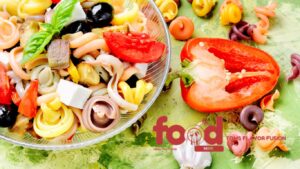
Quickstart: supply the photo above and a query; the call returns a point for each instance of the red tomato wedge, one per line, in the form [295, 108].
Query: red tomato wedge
[5, 91]
[226, 74]
[28, 104]
[134, 47]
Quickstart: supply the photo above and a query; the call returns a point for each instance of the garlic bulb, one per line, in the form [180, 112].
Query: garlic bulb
[188, 158]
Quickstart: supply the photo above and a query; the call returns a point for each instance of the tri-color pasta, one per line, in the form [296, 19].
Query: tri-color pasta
[203, 7]
[262, 27]
[256, 32]
[231, 12]
[61, 65]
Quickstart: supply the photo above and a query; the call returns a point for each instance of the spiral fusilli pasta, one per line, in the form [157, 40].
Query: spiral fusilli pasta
[137, 94]
[203, 7]
[263, 13]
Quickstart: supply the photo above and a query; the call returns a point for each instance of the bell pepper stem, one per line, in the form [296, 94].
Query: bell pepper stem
[187, 79]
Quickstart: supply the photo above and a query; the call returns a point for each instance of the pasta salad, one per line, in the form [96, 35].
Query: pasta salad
[69, 65]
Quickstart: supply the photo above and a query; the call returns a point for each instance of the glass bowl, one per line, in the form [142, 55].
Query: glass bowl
[157, 73]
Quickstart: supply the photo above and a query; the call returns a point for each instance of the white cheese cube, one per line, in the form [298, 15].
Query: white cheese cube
[72, 94]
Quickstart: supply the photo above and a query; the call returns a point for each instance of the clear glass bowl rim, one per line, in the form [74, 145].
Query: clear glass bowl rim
[121, 128]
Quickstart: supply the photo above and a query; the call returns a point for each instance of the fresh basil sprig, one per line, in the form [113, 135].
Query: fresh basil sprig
[37, 43]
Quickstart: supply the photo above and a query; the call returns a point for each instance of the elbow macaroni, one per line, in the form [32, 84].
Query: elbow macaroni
[135, 95]
[203, 7]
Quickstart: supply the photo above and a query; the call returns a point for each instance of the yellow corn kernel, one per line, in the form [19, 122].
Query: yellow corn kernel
[73, 72]
[127, 15]
[231, 14]
[168, 8]
[203, 7]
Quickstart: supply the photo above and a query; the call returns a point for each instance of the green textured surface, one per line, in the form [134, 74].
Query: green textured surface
[127, 151]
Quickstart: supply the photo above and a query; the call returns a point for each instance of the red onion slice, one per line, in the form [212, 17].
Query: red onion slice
[295, 61]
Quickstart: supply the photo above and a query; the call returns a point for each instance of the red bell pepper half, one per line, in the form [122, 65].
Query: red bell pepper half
[220, 75]
[28, 105]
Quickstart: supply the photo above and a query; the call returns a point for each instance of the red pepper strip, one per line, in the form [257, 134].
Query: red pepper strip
[15, 96]
[28, 105]
[5, 91]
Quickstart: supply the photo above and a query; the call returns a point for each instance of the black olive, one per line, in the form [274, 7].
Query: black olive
[101, 14]
[132, 81]
[76, 26]
[8, 115]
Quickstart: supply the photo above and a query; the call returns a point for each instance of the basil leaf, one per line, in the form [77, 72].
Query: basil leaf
[37, 43]
[63, 13]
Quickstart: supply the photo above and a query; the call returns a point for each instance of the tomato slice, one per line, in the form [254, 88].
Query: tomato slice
[5, 91]
[134, 47]
[250, 74]
[28, 104]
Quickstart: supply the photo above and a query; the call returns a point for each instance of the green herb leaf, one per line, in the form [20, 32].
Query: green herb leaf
[62, 14]
[37, 43]
[145, 138]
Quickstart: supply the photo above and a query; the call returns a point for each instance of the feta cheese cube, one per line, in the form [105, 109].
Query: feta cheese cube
[72, 94]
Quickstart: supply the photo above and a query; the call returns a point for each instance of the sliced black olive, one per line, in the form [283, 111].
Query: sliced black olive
[77, 26]
[100, 15]
[132, 81]
[8, 115]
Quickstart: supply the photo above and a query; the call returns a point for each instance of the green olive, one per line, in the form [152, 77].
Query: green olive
[88, 75]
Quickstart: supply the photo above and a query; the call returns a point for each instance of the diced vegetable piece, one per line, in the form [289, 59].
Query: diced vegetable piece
[73, 72]
[28, 105]
[59, 54]
[72, 94]
[88, 75]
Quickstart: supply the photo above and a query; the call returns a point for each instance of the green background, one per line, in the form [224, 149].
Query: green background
[129, 151]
